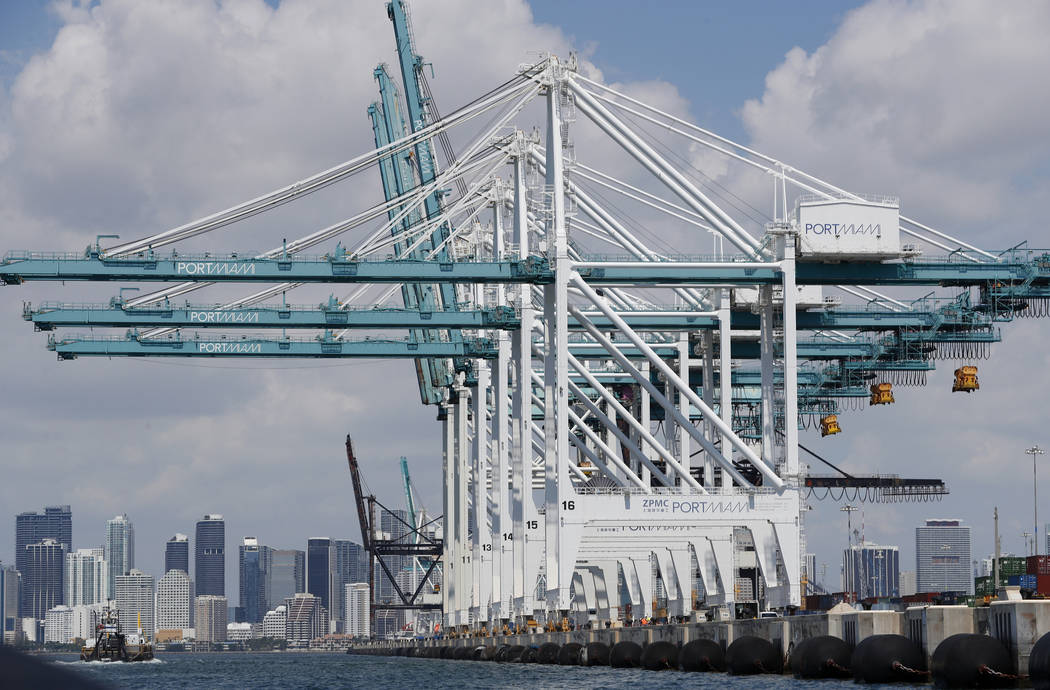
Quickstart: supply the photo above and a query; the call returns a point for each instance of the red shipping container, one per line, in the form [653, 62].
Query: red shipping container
[1038, 565]
[1042, 584]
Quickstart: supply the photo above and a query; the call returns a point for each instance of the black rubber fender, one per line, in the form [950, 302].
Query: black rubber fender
[548, 653]
[972, 661]
[625, 654]
[660, 656]
[702, 655]
[821, 657]
[1039, 664]
[594, 654]
[570, 654]
[749, 655]
[888, 659]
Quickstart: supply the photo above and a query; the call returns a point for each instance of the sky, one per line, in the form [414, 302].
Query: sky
[129, 117]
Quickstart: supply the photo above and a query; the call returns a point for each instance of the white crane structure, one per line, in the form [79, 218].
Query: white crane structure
[602, 428]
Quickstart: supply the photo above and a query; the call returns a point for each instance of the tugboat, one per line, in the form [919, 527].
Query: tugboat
[113, 645]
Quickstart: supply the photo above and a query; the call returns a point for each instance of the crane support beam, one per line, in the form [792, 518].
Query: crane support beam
[50, 316]
[53, 315]
[18, 267]
[73, 347]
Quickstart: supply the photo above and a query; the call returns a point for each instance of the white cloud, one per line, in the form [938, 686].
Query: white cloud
[936, 101]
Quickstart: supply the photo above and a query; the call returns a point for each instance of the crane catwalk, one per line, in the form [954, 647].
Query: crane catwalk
[617, 420]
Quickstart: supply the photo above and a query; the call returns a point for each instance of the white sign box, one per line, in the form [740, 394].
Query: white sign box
[849, 229]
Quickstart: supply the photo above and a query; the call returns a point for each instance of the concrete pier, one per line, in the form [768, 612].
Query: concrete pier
[1018, 625]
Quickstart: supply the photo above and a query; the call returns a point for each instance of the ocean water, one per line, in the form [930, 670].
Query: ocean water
[306, 670]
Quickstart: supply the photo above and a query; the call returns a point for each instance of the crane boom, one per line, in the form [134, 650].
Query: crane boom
[359, 496]
[409, 503]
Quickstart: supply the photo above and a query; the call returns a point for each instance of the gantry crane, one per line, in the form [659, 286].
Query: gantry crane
[575, 388]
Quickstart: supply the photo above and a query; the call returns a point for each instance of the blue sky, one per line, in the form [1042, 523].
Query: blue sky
[716, 53]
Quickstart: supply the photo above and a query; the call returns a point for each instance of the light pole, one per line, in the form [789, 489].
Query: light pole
[849, 510]
[1034, 451]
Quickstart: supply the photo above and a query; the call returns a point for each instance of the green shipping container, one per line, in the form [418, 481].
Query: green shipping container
[983, 586]
[1012, 565]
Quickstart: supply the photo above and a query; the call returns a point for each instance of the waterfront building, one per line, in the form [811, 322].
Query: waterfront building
[177, 554]
[210, 556]
[174, 600]
[872, 570]
[909, 584]
[275, 623]
[119, 549]
[346, 568]
[32, 629]
[56, 522]
[254, 565]
[286, 577]
[238, 632]
[357, 614]
[319, 566]
[10, 584]
[86, 577]
[44, 578]
[942, 557]
[58, 624]
[135, 601]
[211, 618]
[307, 618]
[85, 620]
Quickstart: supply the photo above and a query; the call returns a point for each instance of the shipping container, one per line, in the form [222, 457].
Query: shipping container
[1012, 565]
[984, 586]
[1013, 580]
[1027, 581]
[1043, 584]
[1038, 565]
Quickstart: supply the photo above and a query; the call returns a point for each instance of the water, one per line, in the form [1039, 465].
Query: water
[306, 670]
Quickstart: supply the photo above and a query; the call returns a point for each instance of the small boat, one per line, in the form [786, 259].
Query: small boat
[113, 645]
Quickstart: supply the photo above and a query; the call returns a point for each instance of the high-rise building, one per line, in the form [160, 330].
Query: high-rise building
[177, 554]
[10, 584]
[210, 557]
[119, 549]
[174, 600]
[56, 522]
[43, 579]
[307, 618]
[254, 560]
[275, 623]
[871, 571]
[357, 609]
[809, 571]
[286, 577]
[319, 567]
[908, 586]
[87, 577]
[135, 601]
[346, 568]
[942, 557]
[58, 625]
[211, 618]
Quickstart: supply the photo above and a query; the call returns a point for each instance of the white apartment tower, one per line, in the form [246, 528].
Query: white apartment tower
[119, 549]
[87, 577]
[134, 595]
[357, 609]
[174, 597]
